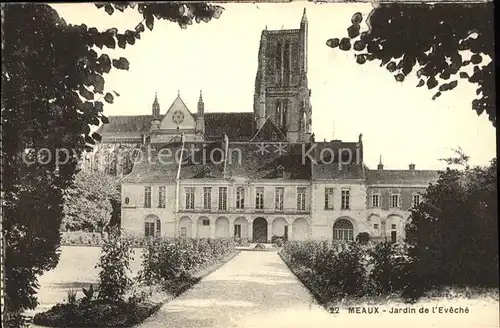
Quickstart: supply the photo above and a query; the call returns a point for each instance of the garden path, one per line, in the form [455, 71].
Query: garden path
[254, 289]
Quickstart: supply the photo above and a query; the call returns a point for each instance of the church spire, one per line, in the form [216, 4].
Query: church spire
[156, 107]
[201, 105]
[304, 17]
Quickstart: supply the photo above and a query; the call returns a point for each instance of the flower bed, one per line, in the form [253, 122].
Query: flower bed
[170, 267]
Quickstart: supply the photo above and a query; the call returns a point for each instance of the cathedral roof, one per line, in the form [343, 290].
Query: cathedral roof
[126, 124]
[328, 168]
[237, 126]
[401, 177]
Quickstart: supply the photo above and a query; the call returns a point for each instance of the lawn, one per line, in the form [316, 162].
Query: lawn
[76, 269]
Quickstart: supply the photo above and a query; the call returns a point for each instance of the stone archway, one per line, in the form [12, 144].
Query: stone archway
[241, 228]
[222, 227]
[280, 228]
[260, 230]
[185, 227]
[300, 229]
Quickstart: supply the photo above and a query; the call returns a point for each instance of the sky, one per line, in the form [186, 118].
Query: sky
[398, 121]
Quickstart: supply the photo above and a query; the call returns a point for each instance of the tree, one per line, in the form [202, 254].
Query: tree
[453, 234]
[88, 202]
[53, 90]
[433, 40]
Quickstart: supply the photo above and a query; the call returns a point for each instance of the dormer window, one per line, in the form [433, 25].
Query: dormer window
[208, 172]
[280, 172]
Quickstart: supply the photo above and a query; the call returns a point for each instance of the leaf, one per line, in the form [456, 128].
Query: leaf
[96, 136]
[476, 59]
[150, 21]
[345, 44]
[89, 140]
[464, 75]
[122, 40]
[109, 9]
[121, 63]
[86, 93]
[359, 45]
[361, 59]
[399, 77]
[139, 28]
[391, 67]
[130, 36]
[116, 93]
[333, 43]
[432, 82]
[112, 30]
[104, 119]
[357, 18]
[420, 83]
[353, 31]
[436, 95]
[104, 63]
[109, 98]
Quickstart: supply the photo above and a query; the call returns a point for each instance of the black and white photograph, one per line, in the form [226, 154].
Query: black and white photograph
[235, 164]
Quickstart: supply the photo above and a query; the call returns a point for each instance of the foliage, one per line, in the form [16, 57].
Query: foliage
[88, 294]
[52, 88]
[95, 314]
[71, 296]
[453, 234]
[167, 260]
[333, 270]
[435, 41]
[363, 238]
[391, 271]
[114, 265]
[87, 203]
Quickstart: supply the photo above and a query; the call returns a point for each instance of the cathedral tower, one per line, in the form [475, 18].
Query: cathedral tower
[281, 88]
[200, 116]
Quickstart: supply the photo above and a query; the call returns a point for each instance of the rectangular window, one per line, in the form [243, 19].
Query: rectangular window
[278, 198]
[183, 232]
[206, 222]
[147, 196]
[207, 198]
[375, 226]
[328, 198]
[301, 198]
[394, 200]
[222, 198]
[345, 200]
[162, 196]
[237, 230]
[259, 198]
[189, 198]
[375, 200]
[393, 226]
[240, 198]
[415, 200]
[149, 229]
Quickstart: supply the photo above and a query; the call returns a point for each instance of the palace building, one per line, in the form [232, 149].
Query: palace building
[253, 175]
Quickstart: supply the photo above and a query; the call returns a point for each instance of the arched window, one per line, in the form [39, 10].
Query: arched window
[284, 113]
[286, 63]
[343, 230]
[278, 113]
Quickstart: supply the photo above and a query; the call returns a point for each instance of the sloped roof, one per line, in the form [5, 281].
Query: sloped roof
[345, 163]
[134, 124]
[269, 132]
[248, 160]
[403, 177]
[237, 126]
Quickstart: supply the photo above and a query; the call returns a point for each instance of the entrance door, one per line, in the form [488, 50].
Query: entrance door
[260, 230]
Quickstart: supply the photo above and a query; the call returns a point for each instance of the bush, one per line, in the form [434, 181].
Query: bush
[391, 270]
[114, 264]
[173, 259]
[363, 238]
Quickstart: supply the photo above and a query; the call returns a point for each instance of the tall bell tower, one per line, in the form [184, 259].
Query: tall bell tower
[281, 89]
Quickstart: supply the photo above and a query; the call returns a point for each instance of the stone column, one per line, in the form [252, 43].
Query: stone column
[194, 229]
[212, 228]
[269, 232]
[250, 230]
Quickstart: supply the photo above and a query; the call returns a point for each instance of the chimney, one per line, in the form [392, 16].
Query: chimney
[380, 166]
[411, 167]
